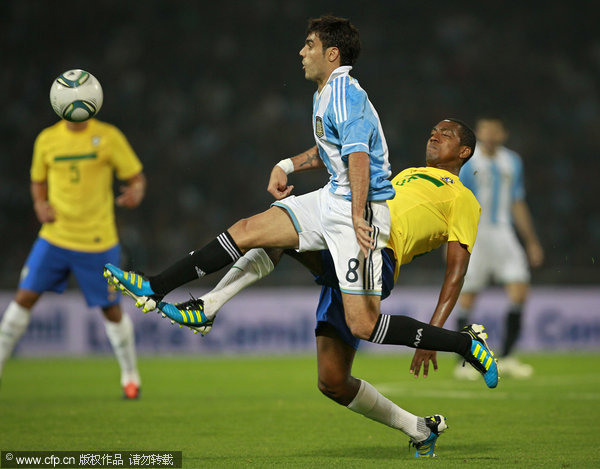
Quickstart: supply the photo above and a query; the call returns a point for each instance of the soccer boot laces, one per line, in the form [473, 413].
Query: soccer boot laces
[189, 313]
[134, 285]
[425, 449]
[481, 356]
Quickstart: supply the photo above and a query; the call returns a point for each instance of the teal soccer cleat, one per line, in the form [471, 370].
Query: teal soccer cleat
[481, 356]
[133, 284]
[189, 313]
[425, 449]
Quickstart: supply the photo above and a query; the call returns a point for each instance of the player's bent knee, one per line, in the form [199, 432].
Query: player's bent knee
[26, 298]
[361, 328]
[333, 389]
[361, 314]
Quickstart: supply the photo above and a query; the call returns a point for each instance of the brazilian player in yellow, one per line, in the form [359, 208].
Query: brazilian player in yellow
[431, 208]
[72, 174]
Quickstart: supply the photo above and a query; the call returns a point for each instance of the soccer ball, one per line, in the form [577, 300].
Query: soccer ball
[76, 95]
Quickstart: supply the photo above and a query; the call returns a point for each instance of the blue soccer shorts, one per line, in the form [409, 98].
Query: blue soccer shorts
[48, 267]
[330, 309]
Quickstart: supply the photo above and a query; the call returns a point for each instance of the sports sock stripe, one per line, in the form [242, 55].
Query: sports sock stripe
[228, 244]
[384, 324]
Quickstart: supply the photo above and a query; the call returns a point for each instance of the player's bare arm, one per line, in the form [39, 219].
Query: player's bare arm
[524, 225]
[43, 210]
[359, 175]
[457, 261]
[133, 193]
[278, 181]
[310, 159]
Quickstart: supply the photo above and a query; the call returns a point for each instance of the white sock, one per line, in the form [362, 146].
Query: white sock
[250, 268]
[370, 403]
[12, 327]
[121, 337]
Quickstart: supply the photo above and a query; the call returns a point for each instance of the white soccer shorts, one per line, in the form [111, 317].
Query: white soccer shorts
[497, 256]
[324, 221]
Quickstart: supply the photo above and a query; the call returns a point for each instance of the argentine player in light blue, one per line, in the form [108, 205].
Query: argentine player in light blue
[495, 176]
[349, 215]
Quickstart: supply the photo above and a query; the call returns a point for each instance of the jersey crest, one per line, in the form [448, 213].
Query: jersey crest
[319, 126]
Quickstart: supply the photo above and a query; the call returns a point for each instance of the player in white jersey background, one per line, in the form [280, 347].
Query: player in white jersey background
[495, 175]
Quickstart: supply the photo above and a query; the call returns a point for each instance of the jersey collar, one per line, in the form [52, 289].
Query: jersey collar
[343, 70]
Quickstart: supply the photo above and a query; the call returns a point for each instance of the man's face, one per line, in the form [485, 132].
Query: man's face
[314, 63]
[490, 133]
[443, 145]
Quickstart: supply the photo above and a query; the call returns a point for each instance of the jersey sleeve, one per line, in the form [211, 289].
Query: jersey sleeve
[464, 222]
[39, 169]
[467, 176]
[518, 188]
[123, 158]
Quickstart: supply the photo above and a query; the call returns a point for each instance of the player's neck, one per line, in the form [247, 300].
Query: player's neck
[322, 81]
[489, 151]
[450, 168]
[77, 126]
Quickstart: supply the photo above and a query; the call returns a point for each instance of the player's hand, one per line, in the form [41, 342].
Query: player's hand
[131, 195]
[278, 186]
[423, 357]
[364, 234]
[535, 253]
[44, 211]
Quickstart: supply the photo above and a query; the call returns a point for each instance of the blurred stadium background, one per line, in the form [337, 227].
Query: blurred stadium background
[211, 95]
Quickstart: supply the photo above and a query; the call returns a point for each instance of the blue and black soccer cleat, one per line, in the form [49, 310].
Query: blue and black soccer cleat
[481, 356]
[189, 313]
[134, 285]
[425, 449]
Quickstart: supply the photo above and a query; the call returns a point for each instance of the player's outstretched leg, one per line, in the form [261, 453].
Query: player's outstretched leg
[134, 285]
[481, 356]
[189, 313]
[425, 449]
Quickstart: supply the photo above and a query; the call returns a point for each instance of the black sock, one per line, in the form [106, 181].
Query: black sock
[513, 329]
[402, 330]
[217, 254]
[462, 321]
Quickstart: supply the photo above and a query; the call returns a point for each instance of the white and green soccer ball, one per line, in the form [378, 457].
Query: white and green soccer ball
[76, 95]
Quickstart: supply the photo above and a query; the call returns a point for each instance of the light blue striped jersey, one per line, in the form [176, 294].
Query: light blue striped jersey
[345, 121]
[497, 183]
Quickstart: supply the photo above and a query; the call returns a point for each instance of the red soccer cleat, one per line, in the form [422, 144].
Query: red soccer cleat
[131, 391]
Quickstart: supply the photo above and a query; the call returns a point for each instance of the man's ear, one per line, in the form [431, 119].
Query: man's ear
[333, 53]
[464, 152]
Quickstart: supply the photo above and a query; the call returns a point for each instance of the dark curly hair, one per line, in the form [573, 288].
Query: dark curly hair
[337, 32]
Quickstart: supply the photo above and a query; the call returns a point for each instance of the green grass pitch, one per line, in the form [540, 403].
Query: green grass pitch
[267, 412]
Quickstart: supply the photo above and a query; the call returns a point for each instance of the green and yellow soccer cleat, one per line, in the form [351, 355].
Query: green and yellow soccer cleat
[134, 285]
[425, 449]
[481, 356]
[189, 313]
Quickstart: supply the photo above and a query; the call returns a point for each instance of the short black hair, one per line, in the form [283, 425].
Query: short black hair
[334, 31]
[466, 136]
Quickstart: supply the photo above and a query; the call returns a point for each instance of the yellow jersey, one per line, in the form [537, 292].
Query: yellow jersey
[78, 167]
[431, 207]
